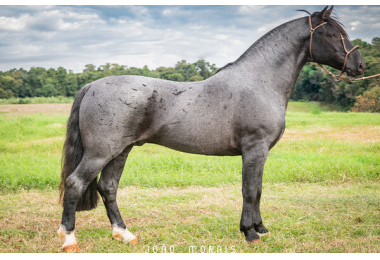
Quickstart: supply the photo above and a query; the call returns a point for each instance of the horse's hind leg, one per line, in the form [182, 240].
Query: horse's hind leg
[107, 187]
[75, 185]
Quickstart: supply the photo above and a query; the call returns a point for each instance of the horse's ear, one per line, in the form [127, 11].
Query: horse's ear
[329, 12]
[323, 13]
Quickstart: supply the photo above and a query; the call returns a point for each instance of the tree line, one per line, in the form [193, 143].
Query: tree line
[312, 84]
[41, 82]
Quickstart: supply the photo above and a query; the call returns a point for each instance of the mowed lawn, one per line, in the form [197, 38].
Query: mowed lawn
[321, 190]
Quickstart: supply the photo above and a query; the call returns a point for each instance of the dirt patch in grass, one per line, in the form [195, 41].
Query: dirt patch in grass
[367, 134]
[29, 109]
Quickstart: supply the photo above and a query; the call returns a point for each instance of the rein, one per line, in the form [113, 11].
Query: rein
[336, 77]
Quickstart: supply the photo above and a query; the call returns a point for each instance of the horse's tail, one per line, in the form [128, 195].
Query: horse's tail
[72, 155]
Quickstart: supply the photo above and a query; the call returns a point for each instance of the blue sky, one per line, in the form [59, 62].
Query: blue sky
[73, 36]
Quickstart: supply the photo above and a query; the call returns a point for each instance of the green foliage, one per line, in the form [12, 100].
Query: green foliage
[6, 93]
[369, 101]
[176, 77]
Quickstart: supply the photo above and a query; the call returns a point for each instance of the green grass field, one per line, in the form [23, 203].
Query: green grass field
[36, 100]
[321, 190]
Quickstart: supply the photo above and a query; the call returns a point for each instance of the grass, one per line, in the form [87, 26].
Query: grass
[36, 100]
[342, 218]
[321, 190]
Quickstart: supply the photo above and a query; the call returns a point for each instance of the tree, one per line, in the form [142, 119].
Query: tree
[61, 83]
[176, 77]
[89, 68]
[6, 93]
[369, 101]
[72, 84]
[196, 78]
[376, 43]
[187, 70]
[205, 69]
[36, 79]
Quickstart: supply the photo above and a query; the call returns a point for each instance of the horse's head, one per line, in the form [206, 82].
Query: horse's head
[330, 45]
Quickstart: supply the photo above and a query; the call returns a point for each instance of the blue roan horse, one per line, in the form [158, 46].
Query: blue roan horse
[238, 111]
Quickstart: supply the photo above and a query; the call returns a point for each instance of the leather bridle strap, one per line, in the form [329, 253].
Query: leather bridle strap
[311, 34]
[345, 59]
[347, 52]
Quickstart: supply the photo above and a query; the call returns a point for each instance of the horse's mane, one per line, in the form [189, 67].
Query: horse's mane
[333, 27]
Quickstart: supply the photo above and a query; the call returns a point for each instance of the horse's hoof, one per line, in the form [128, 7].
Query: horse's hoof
[255, 241]
[71, 248]
[124, 235]
[134, 241]
[264, 234]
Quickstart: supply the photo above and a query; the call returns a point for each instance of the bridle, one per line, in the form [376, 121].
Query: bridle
[338, 78]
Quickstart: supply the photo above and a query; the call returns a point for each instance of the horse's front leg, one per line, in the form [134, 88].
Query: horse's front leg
[254, 157]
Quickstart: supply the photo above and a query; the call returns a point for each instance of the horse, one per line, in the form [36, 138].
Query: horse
[239, 111]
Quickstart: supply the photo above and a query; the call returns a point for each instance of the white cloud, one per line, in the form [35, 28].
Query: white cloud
[262, 29]
[167, 12]
[13, 23]
[221, 36]
[354, 25]
[250, 9]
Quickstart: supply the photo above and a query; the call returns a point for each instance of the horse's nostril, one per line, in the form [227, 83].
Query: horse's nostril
[360, 69]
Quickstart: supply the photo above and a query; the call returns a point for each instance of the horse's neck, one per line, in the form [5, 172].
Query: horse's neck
[276, 59]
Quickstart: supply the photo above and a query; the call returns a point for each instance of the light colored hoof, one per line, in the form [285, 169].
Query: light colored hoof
[255, 241]
[124, 235]
[134, 241]
[70, 245]
[264, 234]
[71, 248]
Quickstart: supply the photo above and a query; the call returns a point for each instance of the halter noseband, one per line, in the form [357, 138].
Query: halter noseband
[344, 46]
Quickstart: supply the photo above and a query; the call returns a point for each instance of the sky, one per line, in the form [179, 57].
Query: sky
[72, 36]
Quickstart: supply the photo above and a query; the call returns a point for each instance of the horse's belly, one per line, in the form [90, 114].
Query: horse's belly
[197, 140]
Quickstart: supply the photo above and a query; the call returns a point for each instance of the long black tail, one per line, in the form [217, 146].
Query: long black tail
[72, 155]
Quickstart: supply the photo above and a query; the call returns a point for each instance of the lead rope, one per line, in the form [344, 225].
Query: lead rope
[337, 78]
